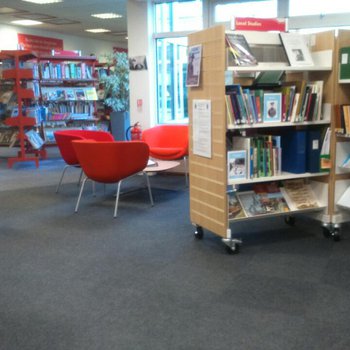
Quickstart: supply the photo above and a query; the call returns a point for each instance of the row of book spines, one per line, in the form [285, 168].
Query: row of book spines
[63, 71]
[69, 94]
[247, 105]
[264, 156]
[71, 107]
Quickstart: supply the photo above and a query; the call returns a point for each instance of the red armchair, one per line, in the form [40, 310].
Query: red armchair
[111, 162]
[168, 142]
[64, 140]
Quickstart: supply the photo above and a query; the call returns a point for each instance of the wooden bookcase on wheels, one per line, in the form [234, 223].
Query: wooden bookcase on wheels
[209, 184]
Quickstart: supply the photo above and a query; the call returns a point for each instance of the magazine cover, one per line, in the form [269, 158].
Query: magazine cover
[255, 204]
[237, 165]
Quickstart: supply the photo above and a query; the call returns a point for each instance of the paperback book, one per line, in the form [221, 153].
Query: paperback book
[299, 195]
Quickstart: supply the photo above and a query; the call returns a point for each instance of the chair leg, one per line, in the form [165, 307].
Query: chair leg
[80, 177]
[186, 170]
[59, 183]
[117, 199]
[80, 193]
[149, 188]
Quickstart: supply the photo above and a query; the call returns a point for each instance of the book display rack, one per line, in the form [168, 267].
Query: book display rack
[254, 146]
[20, 77]
[44, 94]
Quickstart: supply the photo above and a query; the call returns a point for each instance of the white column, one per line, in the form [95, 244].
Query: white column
[140, 43]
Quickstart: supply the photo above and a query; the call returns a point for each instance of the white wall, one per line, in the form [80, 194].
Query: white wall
[8, 40]
[140, 24]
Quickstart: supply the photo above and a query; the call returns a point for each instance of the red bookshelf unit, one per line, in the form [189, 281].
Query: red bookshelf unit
[16, 71]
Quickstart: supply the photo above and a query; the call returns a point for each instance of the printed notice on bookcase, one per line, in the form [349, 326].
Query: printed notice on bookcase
[202, 128]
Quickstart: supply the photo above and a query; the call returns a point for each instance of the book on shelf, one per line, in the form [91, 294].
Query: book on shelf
[34, 139]
[344, 199]
[299, 195]
[240, 50]
[268, 79]
[294, 148]
[297, 51]
[325, 159]
[235, 210]
[344, 65]
[262, 203]
[346, 162]
[272, 107]
[237, 165]
[313, 150]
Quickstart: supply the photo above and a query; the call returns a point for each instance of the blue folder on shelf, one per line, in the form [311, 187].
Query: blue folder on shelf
[294, 152]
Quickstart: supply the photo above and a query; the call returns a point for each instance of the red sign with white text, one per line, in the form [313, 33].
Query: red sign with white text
[260, 24]
[39, 44]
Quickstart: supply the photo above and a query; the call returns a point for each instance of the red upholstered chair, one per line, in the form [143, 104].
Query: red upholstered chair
[111, 162]
[168, 142]
[64, 140]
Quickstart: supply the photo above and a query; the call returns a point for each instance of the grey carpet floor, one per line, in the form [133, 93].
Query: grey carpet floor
[87, 281]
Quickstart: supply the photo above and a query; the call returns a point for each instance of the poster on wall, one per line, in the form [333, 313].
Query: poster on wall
[39, 44]
[194, 65]
[202, 128]
[138, 63]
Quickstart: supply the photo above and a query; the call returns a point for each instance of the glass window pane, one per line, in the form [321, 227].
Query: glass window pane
[261, 9]
[179, 16]
[171, 80]
[317, 7]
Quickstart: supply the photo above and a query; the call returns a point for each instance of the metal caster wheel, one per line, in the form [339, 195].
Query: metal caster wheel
[336, 234]
[199, 232]
[234, 249]
[289, 220]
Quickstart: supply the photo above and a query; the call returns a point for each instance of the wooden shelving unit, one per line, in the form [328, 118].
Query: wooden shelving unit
[208, 176]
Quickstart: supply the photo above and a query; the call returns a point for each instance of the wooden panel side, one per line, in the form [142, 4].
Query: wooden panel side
[208, 176]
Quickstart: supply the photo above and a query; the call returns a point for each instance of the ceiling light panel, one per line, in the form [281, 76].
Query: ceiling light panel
[107, 15]
[26, 22]
[97, 30]
[43, 2]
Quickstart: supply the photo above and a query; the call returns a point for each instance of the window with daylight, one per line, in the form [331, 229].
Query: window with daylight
[177, 16]
[171, 56]
[171, 80]
[224, 12]
[317, 7]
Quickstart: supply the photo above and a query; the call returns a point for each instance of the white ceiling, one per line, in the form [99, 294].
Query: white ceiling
[74, 14]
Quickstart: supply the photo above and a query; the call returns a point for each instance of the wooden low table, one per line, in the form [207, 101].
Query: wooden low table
[161, 165]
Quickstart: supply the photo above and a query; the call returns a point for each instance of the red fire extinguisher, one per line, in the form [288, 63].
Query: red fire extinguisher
[135, 132]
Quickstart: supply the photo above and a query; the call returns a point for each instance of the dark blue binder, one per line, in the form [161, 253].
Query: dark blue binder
[294, 151]
[313, 151]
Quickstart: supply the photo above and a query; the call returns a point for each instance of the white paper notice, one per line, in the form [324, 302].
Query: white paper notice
[202, 128]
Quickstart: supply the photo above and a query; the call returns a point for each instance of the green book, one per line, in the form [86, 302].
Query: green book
[344, 65]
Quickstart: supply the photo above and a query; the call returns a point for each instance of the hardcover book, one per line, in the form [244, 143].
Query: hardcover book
[272, 107]
[240, 50]
[296, 49]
